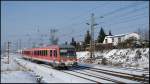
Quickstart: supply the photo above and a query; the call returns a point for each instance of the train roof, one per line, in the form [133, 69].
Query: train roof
[53, 46]
[66, 46]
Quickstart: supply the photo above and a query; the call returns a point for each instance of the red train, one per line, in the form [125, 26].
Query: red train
[56, 55]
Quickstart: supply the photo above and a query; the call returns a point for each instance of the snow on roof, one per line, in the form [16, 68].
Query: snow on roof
[119, 35]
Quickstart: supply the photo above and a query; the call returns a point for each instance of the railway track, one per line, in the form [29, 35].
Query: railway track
[70, 73]
[127, 68]
[86, 76]
[117, 74]
[99, 78]
[90, 76]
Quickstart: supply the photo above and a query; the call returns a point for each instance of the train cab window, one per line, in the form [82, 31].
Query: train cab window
[51, 53]
[55, 53]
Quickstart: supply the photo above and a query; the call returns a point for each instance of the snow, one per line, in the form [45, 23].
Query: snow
[137, 58]
[50, 75]
[17, 77]
[23, 71]
[13, 73]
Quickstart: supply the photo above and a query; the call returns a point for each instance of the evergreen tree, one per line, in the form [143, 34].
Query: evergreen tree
[73, 42]
[87, 38]
[101, 35]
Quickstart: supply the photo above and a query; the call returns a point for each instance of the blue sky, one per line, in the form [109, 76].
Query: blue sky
[22, 19]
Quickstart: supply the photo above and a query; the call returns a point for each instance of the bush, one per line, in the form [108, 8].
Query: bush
[104, 61]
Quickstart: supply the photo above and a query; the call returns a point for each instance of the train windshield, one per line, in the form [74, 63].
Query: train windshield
[67, 52]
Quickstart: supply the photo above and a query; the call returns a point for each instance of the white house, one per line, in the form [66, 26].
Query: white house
[115, 39]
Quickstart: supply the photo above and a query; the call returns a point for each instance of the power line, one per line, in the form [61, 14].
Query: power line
[112, 12]
[118, 10]
[116, 21]
[134, 19]
[125, 14]
[81, 15]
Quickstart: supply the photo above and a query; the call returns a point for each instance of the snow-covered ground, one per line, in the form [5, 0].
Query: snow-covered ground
[13, 73]
[136, 58]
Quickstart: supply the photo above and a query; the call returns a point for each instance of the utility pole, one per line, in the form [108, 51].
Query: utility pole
[5, 47]
[92, 42]
[20, 44]
[8, 50]
[53, 38]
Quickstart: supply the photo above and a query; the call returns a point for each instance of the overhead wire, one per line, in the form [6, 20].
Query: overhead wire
[118, 10]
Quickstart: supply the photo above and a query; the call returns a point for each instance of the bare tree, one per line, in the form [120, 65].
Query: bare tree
[144, 33]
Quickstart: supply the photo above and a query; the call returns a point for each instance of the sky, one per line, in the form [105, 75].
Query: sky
[31, 21]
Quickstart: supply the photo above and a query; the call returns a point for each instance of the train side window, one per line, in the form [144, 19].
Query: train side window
[34, 52]
[38, 53]
[46, 52]
[51, 53]
[42, 52]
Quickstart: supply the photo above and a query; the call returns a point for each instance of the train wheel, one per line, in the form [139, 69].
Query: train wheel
[66, 68]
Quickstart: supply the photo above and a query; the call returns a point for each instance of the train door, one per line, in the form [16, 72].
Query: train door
[51, 55]
[55, 55]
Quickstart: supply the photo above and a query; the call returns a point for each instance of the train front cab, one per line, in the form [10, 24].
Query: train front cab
[68, 57]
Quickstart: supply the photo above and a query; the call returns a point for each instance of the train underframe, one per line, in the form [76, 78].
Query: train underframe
[54, 64]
